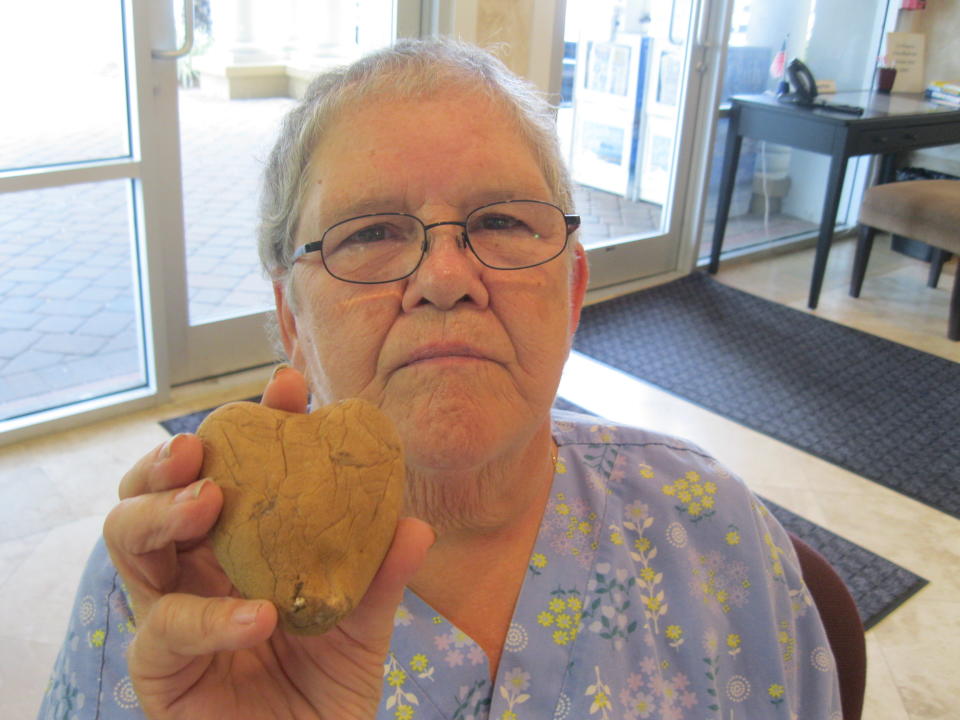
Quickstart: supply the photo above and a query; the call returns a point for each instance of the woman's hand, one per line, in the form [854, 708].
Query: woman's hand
[200, 650]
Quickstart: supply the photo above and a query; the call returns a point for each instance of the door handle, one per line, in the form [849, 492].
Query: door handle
[187, 36]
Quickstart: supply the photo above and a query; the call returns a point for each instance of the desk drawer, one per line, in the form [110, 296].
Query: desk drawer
[905, 138]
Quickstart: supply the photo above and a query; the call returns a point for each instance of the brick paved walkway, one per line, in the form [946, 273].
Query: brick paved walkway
[69, 316]
[69, 319]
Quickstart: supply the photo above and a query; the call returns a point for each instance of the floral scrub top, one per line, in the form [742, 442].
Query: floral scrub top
[659, 587]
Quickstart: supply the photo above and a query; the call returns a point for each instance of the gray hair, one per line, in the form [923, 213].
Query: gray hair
[408, 69]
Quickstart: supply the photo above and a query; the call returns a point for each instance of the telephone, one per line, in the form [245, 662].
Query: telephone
[802, 82]
[805, 91]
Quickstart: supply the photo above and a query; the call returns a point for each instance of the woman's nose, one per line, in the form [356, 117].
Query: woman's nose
[449, 273]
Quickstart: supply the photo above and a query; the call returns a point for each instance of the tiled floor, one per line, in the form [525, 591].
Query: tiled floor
[55, 491]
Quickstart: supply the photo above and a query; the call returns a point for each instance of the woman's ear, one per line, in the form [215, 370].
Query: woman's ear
[286, 322]
[579, 278]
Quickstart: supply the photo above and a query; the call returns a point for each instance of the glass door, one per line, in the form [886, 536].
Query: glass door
[128, 188]
[636, 74]
[250, 60]
[76, 332]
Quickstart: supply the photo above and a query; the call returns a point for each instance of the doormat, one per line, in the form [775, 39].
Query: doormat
[884, 411]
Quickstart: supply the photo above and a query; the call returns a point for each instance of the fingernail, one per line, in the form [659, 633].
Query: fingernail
[191, 492]
[279, 369]
[246, 614]
[167, 448]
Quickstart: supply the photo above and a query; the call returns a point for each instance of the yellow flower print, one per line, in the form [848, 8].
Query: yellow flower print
[674, 634]
[396, 678]
[697, 499]
[419, 663]
[539, 560]
[563, 509]
[561, 466]
[574, 603]
[646, 471]
[557, 605]
[789, 642]
[561, 637]
[648, 574]
[616, 538]
[642, 544]
[97, 638]
[600, 692]
[733, 536]
[584, 527]
[508, 715]
[564, 621]
[545, 619]
[733, 644]
[437, 620]
[775, 691]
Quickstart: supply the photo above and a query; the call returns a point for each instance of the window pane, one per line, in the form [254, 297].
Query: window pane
[779, 190]
[70, 326]
[250, 61]
[621, 98]
[63, 83]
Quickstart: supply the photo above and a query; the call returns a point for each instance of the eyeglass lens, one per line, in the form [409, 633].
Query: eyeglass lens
[506, 236]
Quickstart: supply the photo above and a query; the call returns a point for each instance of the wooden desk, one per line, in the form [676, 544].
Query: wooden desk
[889, 124]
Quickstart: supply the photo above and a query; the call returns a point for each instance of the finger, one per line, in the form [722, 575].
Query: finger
[175, 642]
[172, 464]
[373, 617]
[287, 390]
[142, 534]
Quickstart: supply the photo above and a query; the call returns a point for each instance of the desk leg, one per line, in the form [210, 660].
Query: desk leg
[888, 169]
[731, 157]
[838, 169]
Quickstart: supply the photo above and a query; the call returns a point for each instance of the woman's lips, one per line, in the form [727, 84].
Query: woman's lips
[448, 352]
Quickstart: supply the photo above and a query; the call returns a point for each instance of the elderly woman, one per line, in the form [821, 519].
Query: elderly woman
[416, 227]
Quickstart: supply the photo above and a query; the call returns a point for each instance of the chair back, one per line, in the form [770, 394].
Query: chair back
[842, 622]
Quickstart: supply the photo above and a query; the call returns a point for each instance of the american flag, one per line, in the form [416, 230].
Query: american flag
[779, 61]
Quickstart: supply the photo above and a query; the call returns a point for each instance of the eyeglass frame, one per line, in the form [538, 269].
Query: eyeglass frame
[571, 222]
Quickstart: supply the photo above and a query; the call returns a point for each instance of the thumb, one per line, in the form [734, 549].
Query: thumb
[287, 390]
[373, 616]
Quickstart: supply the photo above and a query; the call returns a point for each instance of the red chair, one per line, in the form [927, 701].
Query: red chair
[841, 620]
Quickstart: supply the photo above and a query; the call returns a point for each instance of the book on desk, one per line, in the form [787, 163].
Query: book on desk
[945, 93]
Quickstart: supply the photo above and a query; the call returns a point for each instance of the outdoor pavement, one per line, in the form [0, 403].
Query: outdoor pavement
[69, 307]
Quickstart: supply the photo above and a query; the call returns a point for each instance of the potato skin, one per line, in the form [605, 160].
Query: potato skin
[310, 504]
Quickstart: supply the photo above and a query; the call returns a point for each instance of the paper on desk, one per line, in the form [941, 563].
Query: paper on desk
[907, 52]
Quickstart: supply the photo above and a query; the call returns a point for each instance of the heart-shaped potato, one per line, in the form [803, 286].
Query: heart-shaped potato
[310, 504]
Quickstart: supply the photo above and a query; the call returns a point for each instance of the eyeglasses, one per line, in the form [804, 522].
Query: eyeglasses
[386, 247]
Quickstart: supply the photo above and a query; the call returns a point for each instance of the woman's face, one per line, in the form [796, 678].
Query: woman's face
[464, 359]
